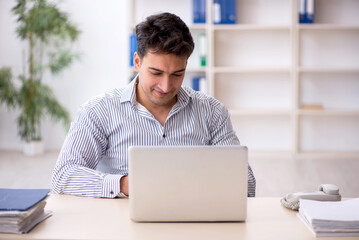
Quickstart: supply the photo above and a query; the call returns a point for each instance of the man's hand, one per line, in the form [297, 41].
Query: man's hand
[124, 185]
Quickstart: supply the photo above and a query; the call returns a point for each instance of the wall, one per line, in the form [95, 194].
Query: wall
[104, 63]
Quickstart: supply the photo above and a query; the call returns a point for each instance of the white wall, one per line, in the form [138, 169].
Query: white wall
[104, 63]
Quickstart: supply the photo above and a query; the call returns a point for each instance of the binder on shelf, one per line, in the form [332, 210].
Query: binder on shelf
[200, 84]
[301, 8]
[199, 11]
[224, 11]
[202, 44]
[310, 11]
[306, 11]
[133, 47]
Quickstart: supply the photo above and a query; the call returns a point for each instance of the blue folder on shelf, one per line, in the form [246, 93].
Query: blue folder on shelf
[306, 11]
[20, 199]
[133, 47]
[199, 11]
[224, 11]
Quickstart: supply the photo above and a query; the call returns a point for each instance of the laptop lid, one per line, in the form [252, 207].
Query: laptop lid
[188, 183]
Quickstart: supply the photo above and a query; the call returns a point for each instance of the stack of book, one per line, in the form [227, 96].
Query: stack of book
[327, 219]
[22, 209]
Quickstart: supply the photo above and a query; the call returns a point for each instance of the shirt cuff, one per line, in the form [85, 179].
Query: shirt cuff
[111, 186]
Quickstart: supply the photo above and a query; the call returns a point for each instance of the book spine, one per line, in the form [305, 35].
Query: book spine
[301, 9]
[230, 11]
[216, 11]
[224, 11]
[195, 83]
[199, 83]
[310, 11]
[202, 11]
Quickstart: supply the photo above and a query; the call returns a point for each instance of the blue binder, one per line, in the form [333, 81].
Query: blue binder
[20, 199]
[309, 11]
[226, 9]
[133, 47]
[199, 11]
[195, 83]
[301, 9]
[306, 11]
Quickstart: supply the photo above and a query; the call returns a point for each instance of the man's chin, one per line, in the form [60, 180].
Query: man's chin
[161, 102]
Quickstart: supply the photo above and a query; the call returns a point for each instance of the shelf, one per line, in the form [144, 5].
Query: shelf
[260, 112]
[269, 154]
[198, 26]
[329, 112]
[329, 69]
[249, 27]
[265, 66]
[191, 69]
[332, 27]
[251, 69]
[326, 154]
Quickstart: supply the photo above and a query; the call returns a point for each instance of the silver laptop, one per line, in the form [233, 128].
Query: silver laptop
[188, 183]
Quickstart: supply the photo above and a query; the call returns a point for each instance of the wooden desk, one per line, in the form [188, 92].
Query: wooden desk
[89, 218]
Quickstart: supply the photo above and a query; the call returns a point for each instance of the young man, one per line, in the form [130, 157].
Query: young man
[154, 109]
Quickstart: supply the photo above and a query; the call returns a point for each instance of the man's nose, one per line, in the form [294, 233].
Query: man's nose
[165, 84]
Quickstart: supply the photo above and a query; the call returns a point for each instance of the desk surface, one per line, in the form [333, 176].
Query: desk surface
[90, 218]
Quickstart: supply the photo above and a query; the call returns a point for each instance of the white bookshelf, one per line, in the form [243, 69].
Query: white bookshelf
[265, 67]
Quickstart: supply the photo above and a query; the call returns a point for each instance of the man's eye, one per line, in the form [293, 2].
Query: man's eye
[155, 73]
[177, 75]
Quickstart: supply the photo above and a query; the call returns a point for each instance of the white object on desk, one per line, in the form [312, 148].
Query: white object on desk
[331, 218]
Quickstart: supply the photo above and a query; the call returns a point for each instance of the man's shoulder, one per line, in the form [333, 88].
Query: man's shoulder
[201, 99]
[104, 100]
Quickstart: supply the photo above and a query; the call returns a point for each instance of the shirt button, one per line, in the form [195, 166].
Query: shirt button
[163, 135]
[111, 192]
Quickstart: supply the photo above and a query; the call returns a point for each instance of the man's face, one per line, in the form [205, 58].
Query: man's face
[160, 78]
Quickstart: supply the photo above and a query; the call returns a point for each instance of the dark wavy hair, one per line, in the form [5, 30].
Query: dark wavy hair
[164, 33]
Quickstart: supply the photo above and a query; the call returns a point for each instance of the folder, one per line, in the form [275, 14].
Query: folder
[133, 47]
[199, 84]
[20, 199]
[306, 11]
[199, 11]
[22, 209]
[310, 11]
[224, 12]
[301, 9]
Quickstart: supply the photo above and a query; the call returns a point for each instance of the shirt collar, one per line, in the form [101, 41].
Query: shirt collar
[129, 93]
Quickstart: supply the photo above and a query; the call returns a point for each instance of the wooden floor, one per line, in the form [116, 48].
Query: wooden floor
[275, 177]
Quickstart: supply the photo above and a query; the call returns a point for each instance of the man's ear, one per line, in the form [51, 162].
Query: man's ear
[136, 61]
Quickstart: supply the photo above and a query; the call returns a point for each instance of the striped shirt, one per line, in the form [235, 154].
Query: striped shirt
[94, 155]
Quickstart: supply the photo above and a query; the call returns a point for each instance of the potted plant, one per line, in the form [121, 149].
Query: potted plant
[48, 34]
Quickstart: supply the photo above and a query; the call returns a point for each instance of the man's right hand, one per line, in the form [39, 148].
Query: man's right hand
[124, 185]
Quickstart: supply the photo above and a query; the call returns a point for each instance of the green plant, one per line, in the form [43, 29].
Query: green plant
[48, 34]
